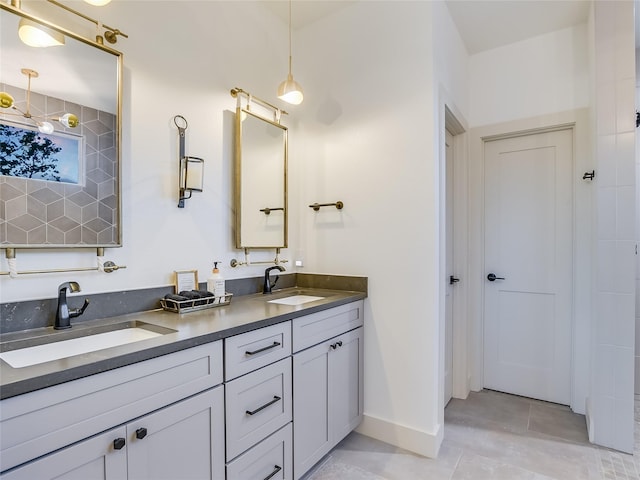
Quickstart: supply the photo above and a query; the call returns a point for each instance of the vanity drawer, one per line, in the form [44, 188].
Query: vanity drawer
[257, 405]
[271, 456]
[318, 327]
[252, 350]
[45, 420]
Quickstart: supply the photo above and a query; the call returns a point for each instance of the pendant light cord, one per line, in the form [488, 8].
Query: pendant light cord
[290, 1]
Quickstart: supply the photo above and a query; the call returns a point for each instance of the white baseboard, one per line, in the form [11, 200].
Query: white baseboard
[589, 419]
[417, 441]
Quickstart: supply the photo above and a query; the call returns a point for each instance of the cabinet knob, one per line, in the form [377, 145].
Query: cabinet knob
[141, 433]
[119, 443]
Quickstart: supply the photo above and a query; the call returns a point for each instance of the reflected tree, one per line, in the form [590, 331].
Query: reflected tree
[26, 153]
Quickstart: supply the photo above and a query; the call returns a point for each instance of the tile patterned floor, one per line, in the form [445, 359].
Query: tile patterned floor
[490, 436]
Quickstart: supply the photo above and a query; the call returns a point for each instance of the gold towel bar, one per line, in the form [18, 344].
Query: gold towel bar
[316, 206]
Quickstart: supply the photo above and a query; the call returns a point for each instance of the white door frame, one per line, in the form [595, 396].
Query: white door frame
[451, 119]
[582, 245]
[460, 248]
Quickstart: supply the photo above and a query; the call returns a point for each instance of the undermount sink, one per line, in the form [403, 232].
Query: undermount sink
[24, 353]
[296, 300]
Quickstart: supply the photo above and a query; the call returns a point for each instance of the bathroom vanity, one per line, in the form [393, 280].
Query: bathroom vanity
[261, 388]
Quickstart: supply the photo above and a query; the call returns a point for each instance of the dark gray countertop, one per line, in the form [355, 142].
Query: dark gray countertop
[245, 313]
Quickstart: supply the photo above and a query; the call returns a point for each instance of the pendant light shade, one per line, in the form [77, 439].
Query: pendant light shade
[290, 91]
[97, 3]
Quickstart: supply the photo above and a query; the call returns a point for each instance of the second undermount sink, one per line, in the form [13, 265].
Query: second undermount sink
[24, 353]
[296, 299]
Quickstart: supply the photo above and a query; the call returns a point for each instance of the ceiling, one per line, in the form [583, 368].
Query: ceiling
[304, 12]
[487, 24]
[483, 24]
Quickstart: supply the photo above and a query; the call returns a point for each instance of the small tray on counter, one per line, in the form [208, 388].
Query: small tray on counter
[194, 304]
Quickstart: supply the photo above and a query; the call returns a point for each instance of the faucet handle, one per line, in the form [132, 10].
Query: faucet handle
[76, 312]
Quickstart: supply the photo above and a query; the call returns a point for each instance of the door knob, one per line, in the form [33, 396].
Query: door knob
[492, 277]
[453, 280]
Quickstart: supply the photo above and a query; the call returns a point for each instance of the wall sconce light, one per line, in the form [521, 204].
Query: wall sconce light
[68, 120]
[191, 177]
[110, 33]
[191, 168]
[36, 35]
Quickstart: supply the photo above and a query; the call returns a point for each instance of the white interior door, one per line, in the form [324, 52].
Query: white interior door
[528, 248]
[449, 290]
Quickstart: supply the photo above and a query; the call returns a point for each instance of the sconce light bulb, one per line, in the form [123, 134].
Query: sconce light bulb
[45, 127]
[69, 120]
[98, 3]
[35, 35]
[6, 100]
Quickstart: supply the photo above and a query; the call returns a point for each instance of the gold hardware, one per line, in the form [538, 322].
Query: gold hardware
[316, 206]
[252, 98]
[110, 32]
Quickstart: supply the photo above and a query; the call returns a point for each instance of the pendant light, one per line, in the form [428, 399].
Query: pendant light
[290, 91]
[68, 120]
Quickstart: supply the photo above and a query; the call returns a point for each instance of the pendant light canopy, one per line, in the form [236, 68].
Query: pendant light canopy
[290, 91]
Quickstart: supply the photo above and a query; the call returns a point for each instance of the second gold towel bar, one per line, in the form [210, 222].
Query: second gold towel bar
[316, 206]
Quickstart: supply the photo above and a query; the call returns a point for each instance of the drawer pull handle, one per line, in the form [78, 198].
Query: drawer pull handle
[264, 349]
[276, 470]
[119, 443]
[336, 345]
[141, 433]
[275, 399]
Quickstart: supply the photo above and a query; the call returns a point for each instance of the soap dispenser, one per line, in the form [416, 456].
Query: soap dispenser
[215, 284]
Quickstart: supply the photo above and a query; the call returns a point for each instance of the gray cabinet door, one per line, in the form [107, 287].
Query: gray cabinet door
[310, 407]
[94, 458]
[346, 385]
[184, 440]
[327, 397]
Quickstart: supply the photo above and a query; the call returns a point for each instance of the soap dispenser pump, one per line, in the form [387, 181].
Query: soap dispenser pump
[216, 285]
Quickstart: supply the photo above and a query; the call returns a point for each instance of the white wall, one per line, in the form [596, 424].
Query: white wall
[180, 58]
[537, 76]
[367, 136]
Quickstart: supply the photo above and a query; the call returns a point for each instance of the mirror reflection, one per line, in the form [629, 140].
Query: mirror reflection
[59, 133]
[261, 182]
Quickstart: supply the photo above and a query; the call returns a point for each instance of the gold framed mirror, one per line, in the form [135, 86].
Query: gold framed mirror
[70, 193]
[261, 155]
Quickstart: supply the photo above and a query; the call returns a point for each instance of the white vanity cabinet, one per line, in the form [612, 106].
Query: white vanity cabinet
[162, 417]
[259, 404]
[327, 381]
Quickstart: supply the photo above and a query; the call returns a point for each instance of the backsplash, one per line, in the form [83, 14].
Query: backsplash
[41, 313]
